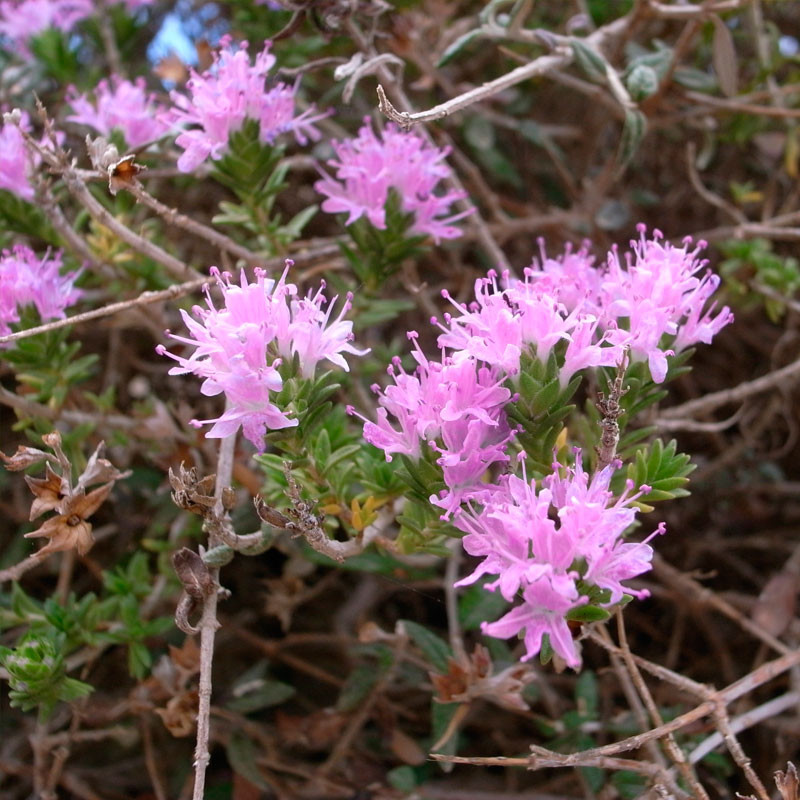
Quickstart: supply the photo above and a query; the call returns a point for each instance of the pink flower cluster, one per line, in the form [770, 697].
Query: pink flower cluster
[539, 544]
[654, 302]
[16, 160]
[454, 406]
[367, 167]
[22, 19]
[26, 279]
[239, 347]
[120, 105]
[226, 95]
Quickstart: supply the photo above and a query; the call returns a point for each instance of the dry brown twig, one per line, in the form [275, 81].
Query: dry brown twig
[166, 295]
[542, 65]
[701, 405]
[483, 234]
[60, 163]
[303, 521]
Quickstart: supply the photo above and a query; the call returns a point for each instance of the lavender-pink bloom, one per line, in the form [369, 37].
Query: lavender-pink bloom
[545, 602]
[440, 395]
[238, 348]
[22, 19]
[227, 94]
[120, 105]
[547, 537]
[15, 162]
[367, 167]
[653, 296]
[26, 279]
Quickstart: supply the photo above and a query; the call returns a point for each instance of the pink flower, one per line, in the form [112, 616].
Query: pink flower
[525, 315]
[658, 296]
[505, 542]
[22, 19]
[439, 395]
[123, 106]
[541, 540]
[15, 161]
[238, 348]
[367, 167]
[573, 277]
[226, 95]
[26, 279]
[542, 611]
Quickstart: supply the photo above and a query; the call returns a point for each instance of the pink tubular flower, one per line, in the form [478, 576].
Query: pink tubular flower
[238, 348]
[438, 396]
[22, 19]
[121, 105]
[659, 296]
[542, 612]
[26, 279]
[540, 541]
[227, 94]
[367, 167]
[527, 314]
[15, 162]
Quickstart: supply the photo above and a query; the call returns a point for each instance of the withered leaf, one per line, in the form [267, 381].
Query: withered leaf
[70, 529]
[788, 783]
[193, 573]
[23, 458]
[180, 714]
[48, 491]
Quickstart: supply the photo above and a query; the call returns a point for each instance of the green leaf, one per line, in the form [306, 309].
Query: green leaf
[663, 468]
[139, 660]
[322, 449]
[458, 45]
[441, 716]
[589, 60]
[724, 57]
[242, 757]
[696, 79]
[436, 650]
[642, 81]
[633, 132]
[587, 694]
[361, 680]
[404, 779]
[264, 694]
[546, 653]
[587, 613]
[476, 605]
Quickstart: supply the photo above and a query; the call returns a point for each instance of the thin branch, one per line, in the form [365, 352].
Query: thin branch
[751, 681]
[709, 402]
[539, 66]
[208, 625]
[173, 217]
[360, 717]
[670, 745]
[737, 107]
[104, 23]
[58, 160]
[174, 292]
[15, 572]
[710, 197]
[680, 11]
[484, 235]
[751, 717]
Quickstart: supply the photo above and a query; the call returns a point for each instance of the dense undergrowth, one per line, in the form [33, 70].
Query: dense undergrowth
[532, 190]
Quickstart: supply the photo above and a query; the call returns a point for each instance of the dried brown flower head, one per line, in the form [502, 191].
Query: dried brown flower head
[70, 528]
